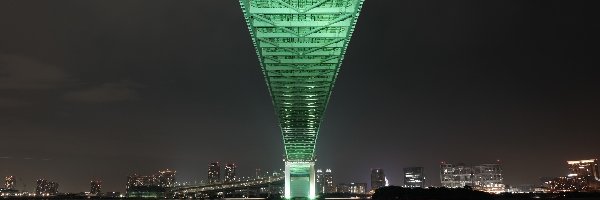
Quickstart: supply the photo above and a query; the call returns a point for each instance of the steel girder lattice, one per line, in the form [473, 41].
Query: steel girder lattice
[300, 45]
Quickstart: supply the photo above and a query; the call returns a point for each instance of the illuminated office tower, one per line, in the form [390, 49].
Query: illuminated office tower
[343, 188]
[456, 175]
[214, 172]
[136, 180]
[483, 177]
[414, 177]
[488, 178]
[352, 188]
[230, 172]
[260, 173]
[325, 181]
[358, 188]
[585, 168]
[153, 185]
[585, 174]
[10, 182]
[319, 182]
[45, 187]
[377, 179]
[328, 181]
[95, 187]
[166, 178]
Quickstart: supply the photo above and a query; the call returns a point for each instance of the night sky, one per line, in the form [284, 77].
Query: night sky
[102, 89]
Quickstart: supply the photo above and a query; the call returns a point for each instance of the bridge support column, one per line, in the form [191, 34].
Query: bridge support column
[300, 180]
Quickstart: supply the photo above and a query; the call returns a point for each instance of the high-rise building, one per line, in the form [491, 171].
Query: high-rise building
[166, 178]
[414, 177]
[585, 168]
[45, 187]
[10, 182]
[136, 180]
[352, 188]
[343, 188]
[488, 178]
[230, 172]
[214, 172]
[585, 174]
[456, 175]
[324, 181]
[484, 177]
[377, 179]
[320, 187]
[259, 173]
[358, 188]
[560, 184]
[328, 186]
[96, 187]
[152, 186]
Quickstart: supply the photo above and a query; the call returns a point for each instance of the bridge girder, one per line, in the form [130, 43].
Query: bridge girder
[300, 45]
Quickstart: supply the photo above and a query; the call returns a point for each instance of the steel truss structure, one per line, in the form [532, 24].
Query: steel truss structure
[300, 45]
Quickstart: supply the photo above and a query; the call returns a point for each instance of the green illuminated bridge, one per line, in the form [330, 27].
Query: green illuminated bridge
[300, 45]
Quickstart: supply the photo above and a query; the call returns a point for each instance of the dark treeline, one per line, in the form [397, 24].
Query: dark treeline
[544, 196]
[400, 193]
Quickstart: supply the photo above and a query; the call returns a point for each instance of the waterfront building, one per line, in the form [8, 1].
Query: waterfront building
[152, 186]
[166, 178]
[230, 172]
[560, 184]
[136, 180]
[585, 174]
[358, 188]
[324, 181]
[328, 186]
[343, 188]
[319, 181]
[46, 188]
[484, 177]
[214, 172]
[488, 178]
[95, 187]
[352, 188]
[377, 179]
[259, 173]
[456, 175]
[585, 168]
[414, 177]
[10, 182]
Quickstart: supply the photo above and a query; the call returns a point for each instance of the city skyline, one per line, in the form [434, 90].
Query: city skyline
[584, 175]
[156, 85]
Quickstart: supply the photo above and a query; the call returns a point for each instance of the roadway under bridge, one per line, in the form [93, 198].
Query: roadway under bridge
[267, 186]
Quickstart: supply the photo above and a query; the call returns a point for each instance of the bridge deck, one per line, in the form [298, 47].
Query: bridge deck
[300, 45]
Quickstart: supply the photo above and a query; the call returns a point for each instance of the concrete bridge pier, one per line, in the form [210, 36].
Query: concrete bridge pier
[300, 179]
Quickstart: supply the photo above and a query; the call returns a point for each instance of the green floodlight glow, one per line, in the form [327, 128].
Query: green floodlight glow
[300, 45]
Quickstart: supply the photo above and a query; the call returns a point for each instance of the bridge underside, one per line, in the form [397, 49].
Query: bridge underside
[300, 45]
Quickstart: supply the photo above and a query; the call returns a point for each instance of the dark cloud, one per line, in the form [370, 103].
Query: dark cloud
[11, 102]
[105, 93]
[21, 72]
